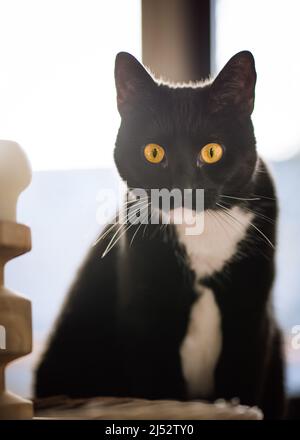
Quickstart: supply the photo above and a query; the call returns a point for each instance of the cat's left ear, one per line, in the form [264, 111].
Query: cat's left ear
[235, 85]
[132, 81]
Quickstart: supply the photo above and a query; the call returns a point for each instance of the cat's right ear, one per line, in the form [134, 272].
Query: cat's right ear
[132, 80]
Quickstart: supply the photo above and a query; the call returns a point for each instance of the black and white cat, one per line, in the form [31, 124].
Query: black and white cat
[173, 315]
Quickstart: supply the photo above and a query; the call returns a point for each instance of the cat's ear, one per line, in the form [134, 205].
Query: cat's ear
[235, 85]
[132, 80]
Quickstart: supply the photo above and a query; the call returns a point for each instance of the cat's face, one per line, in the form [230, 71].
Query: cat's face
[164, 130]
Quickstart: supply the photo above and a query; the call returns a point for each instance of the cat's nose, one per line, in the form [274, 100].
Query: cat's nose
[185, 182]
[198, 199]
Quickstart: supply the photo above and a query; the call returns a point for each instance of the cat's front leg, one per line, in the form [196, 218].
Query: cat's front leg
[246, 366]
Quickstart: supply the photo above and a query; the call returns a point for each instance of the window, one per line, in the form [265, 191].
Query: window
[272, 33]
[56, 77]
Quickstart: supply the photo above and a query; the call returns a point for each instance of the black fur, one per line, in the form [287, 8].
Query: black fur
[127, 314]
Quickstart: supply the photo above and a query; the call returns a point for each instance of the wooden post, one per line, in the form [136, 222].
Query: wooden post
[15, 311]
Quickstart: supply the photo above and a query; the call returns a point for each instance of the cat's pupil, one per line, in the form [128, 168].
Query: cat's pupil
[211, 152]
[155, 152]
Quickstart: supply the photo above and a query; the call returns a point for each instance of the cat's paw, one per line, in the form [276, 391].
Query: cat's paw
[253, 412]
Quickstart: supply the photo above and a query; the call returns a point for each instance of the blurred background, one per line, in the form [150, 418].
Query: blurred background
[57, 99]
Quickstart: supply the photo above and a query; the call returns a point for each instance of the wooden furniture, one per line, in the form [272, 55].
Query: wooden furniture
[15, 311]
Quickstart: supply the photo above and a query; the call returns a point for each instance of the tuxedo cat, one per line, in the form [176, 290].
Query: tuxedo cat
[164, 314]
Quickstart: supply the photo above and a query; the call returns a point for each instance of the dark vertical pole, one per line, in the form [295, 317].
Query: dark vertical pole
[199, 44]
[176, 38]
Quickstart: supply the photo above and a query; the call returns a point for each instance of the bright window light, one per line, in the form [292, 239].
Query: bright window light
[57, 95]
[272, 33]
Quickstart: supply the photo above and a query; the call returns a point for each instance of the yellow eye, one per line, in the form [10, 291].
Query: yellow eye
[154, 153]
[211, 153]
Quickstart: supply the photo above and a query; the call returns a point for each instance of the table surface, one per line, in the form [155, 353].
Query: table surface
[117, 408]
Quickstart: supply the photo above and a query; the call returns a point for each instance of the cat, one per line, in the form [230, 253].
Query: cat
[164, 314]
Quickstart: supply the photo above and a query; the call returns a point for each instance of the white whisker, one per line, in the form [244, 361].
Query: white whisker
[135, 201]
[131, 241]
[115, 237]
[251, 224]
[239, 198]
[135, 209]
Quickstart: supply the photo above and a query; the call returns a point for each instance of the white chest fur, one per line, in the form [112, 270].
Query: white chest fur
[206, 254]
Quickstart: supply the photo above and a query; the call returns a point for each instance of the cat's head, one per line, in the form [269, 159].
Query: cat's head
[187, 137]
